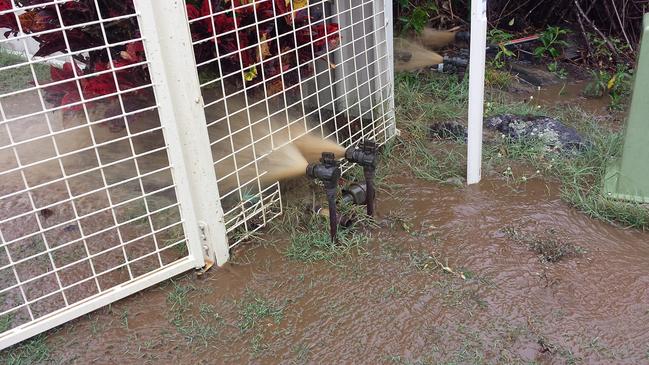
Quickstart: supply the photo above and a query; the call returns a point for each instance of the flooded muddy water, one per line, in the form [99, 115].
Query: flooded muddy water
[440, 281]
[571, 94]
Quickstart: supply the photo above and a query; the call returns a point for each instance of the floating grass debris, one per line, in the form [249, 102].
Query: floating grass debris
[254, 309]
[549, 244]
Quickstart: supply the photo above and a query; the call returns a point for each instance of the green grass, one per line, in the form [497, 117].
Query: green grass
[312, 242]
[498, 79]
[32, 351]
[6, 322]
[178, 298]
[309, 235]
[174, 236]
[19, 78]
[124, 318]
[429, 166]
[194, 329]
[498, 104]
[301, 353]
[581, 173]
[254, 308]
[257, 345]
[528, 150]
[582, 177]
[423, 99]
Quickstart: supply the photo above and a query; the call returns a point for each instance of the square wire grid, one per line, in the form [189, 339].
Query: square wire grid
[87, 200]
[275, 71]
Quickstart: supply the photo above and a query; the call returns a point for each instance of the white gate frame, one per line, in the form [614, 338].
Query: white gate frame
[167, 40]
[168, 43]
[167, 37]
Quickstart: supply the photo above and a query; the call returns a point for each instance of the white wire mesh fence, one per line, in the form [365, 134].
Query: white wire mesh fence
[279, 79]
[88, 200]
[98, 196]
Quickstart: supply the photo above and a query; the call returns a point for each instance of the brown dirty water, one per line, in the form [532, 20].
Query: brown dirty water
[410, 56]
[569, 94]
[416, 52]
[250, 136]
[496, 301]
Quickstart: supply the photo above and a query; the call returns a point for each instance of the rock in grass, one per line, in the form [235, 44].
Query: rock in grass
[550, 131]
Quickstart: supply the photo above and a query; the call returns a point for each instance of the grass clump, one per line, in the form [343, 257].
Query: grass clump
[194, 329]
[178, 298]
[548, 244]
[197, 331]
[6, 322]
[21, 77]
[423, 99]
[257, 345]
[426, 165]
[498, 79]
[254, 309]
[582, 177]
[312, 242]
[581, 172]
[29, 352]
[309, 236]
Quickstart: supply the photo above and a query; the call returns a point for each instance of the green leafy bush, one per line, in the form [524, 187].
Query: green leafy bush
[552, 42]
[617, 85]
[414, 15]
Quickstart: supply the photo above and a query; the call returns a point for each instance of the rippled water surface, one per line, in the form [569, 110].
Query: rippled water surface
[391, 303]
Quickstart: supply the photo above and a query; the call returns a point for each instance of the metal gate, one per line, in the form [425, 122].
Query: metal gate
[135, 138]
[276, 71]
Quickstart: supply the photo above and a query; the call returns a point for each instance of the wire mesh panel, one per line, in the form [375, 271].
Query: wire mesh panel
[88, 201]
[282, 82]
[108, 185]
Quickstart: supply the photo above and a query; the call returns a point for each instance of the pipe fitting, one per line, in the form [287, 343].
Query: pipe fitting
[365, 154]
[463, 37]
[328, 171]
[355, 194]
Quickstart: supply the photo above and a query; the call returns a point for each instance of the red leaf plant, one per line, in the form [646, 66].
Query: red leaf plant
[230, 36]
[8, 18]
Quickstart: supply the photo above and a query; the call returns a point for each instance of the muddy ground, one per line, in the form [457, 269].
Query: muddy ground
[501, 273]
[497, 301]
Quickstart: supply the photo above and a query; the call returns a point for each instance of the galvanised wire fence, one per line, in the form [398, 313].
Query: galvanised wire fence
[141, 139]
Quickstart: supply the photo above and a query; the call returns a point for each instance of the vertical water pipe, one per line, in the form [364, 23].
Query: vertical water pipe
[476, 90]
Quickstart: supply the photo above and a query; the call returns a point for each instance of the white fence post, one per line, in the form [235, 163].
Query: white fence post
[165, 29]
[476, 89]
